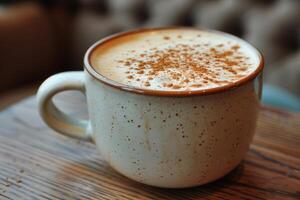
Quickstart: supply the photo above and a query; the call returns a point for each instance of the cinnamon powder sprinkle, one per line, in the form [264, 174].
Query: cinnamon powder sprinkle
[196, 85]
[176, 86]
[184, 65]
[235, 47]
[130, 77]
[147, 84]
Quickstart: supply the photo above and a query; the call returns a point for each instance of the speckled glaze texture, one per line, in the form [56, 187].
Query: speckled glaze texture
[172, 142]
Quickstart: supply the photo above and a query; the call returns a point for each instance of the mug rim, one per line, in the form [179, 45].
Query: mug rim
[89, 68]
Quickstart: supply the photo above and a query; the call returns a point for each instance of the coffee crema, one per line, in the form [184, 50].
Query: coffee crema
[175, 59]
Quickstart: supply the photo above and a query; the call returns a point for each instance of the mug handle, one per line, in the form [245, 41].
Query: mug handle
[54, 117]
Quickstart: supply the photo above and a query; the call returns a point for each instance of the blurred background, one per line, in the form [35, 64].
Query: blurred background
[40, 38]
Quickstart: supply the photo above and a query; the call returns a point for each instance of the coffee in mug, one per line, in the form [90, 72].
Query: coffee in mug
[175, 60]
[168, 107]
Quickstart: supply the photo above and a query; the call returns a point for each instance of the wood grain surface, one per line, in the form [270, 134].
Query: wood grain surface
[37, 163]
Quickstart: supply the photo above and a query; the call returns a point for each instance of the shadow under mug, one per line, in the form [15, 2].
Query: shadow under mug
[164, 139]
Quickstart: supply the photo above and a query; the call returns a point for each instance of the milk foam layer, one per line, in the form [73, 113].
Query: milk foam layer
[175, 59]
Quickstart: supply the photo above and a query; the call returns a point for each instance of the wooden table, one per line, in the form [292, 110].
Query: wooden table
[37, 163]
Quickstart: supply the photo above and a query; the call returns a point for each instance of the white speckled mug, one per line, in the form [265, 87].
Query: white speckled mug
[165, 139]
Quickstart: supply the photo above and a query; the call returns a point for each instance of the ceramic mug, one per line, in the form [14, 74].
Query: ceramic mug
[165, 139]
